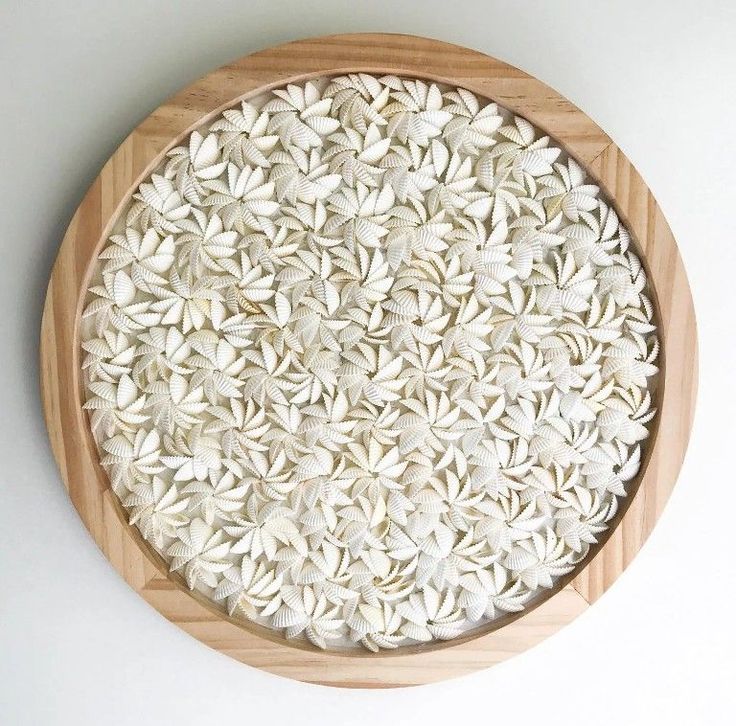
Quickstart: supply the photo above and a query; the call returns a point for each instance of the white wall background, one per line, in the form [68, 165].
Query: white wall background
[78, 647]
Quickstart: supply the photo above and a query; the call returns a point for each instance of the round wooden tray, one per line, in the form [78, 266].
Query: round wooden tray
[142, 151]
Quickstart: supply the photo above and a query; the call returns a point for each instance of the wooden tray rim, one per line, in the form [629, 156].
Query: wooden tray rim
[141, 152]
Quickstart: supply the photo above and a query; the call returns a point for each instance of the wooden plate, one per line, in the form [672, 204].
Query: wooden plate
[142, 151]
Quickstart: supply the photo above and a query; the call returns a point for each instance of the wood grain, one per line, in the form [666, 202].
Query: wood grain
[75, 450]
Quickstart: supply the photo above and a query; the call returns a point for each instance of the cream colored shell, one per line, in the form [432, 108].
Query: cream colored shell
[368, 361]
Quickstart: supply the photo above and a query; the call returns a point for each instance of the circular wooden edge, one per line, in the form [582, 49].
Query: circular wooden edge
[75, 450]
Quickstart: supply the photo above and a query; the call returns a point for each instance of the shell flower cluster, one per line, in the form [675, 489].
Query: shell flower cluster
[369, 361]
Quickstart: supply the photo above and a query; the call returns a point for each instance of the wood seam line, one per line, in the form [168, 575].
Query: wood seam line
[579, 592]
[602, 151]
[587, 601]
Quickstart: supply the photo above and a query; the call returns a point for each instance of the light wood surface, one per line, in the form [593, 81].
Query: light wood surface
[75, 450]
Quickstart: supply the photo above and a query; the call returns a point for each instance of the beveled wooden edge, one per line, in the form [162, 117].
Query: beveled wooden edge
[381, 53]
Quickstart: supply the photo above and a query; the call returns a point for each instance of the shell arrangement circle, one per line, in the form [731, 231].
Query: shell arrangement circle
[369, 361]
